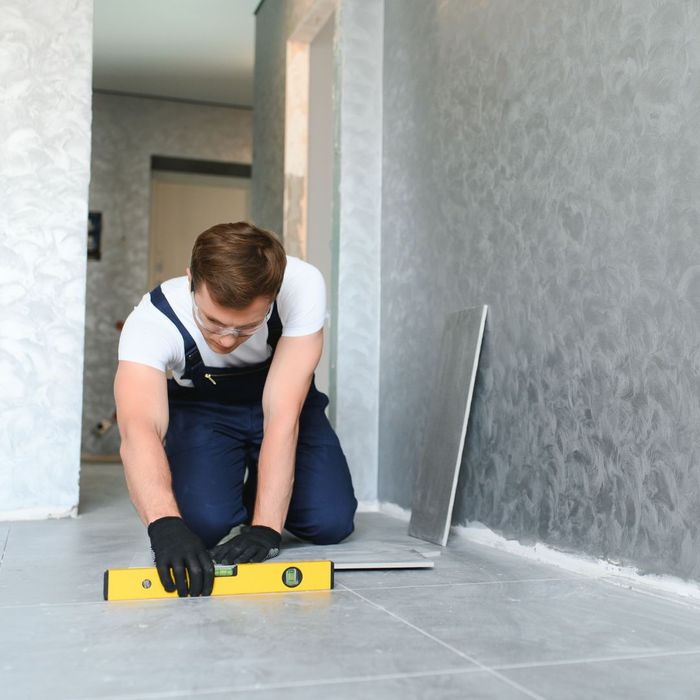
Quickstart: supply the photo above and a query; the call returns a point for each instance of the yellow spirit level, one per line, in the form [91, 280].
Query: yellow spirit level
[267, 577]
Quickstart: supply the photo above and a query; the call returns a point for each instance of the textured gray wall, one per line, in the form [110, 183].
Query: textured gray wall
[127, 131]
[45, 71]
[543, 157]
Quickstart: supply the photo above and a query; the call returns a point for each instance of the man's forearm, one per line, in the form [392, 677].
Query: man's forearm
[148, 476]
[276, 474]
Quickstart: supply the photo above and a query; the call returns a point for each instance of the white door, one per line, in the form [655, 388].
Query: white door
[182, 206]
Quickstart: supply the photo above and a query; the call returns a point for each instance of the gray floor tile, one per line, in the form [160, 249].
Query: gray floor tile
[101, 486]
[368, 527]
[55, 642]
[53, 541]
[479, 685]
[532, 622]
[50, 583]
[373, 532]
[661, 678]
[504, 565]
[459, 562]
[103, 649]
[478, 564]
[640, 586]
[4, 532]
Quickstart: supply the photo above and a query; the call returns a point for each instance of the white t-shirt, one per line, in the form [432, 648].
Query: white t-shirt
[151, 338]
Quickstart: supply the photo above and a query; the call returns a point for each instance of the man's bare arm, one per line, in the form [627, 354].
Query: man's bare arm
[285, 392]
[142, 413]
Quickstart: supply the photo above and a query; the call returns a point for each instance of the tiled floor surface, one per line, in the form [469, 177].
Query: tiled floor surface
[482, 624]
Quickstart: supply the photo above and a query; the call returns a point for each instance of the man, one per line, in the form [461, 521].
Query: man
[241, 336]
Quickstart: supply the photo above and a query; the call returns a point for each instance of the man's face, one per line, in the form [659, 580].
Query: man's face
[211, 317]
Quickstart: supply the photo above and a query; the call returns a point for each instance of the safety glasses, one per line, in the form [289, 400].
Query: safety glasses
[240, 332]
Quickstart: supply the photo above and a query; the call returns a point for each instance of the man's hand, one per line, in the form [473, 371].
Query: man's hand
[176, 547]
[254, 544]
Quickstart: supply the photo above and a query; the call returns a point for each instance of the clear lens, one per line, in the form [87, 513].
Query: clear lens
[221, 330]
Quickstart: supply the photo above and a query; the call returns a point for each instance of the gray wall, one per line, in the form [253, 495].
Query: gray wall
[45, 70]
[542, 156]
[127, 131]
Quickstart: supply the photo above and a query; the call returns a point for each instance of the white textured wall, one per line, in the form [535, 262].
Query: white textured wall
[359, 56]
[127, 131]
[45, 73]
[357, 202]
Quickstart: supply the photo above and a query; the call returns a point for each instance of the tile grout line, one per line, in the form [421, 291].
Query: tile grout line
[4, 546]
[463, 583]
[693, 603]
[163, 695]
[598, 660]
[483, 667]
[158, 695]
[340, 587]
[128, 603]
[561, 662]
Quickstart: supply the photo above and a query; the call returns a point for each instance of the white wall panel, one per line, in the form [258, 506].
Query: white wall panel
[357, 202]
[359, 57]
[45, 74]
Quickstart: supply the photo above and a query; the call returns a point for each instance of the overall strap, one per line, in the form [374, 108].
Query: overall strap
[193, 359]
[274, 328]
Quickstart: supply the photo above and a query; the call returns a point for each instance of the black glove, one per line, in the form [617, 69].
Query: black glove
[176, 547]
[253, 544]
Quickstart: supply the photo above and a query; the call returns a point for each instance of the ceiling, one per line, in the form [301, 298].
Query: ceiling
[199, 50]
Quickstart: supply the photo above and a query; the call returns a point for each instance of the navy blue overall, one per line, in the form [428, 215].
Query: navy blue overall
[215, 432]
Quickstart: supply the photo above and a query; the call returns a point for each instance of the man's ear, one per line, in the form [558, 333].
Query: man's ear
[189, 278]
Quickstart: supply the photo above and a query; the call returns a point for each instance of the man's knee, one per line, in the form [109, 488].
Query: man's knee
[329, 526]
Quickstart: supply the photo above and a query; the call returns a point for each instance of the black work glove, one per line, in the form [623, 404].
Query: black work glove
[176, 547]
[253, 544]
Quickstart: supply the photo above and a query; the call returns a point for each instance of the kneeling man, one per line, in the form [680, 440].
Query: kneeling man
[215, 381]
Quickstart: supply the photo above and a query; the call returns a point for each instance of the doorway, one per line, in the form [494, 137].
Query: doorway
[187, 201]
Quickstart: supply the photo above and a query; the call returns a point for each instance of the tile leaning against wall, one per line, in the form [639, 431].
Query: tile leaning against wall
[543, 157]
[45, 71]
[127, 131]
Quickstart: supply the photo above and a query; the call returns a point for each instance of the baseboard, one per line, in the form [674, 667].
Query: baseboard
[39, 513]
[368, 506]
[395, 511]
[584, 565]
[91, 457]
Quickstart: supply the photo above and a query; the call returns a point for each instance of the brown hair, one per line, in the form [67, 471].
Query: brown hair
[239, 263]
